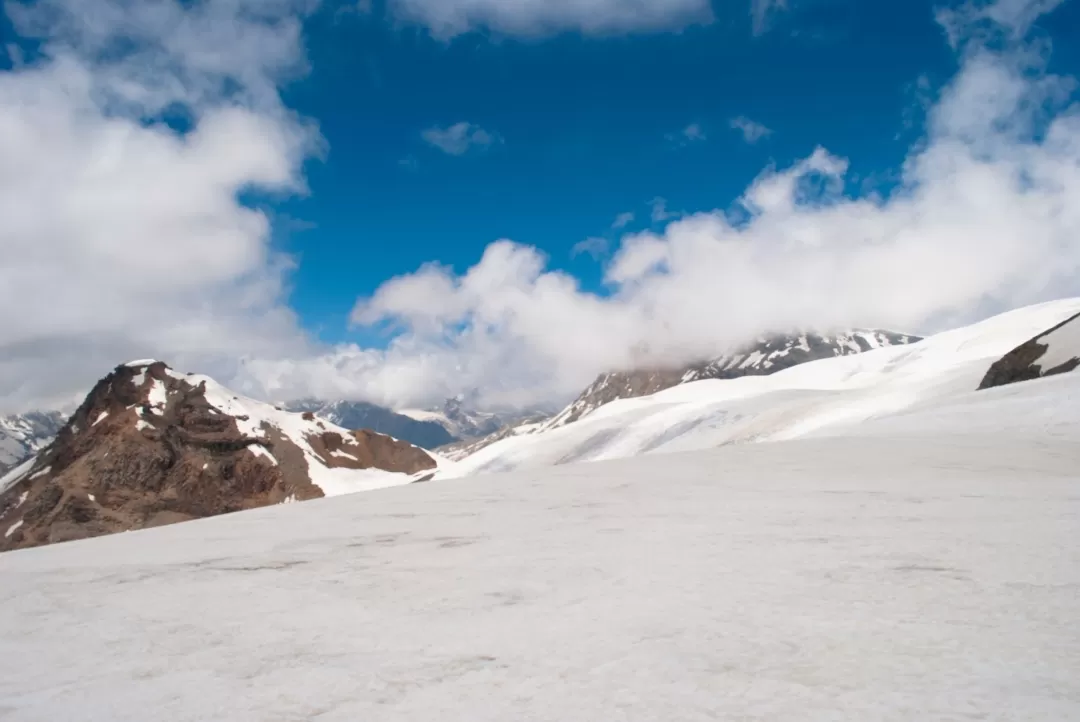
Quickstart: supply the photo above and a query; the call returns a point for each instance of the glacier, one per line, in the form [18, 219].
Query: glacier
[922, 566]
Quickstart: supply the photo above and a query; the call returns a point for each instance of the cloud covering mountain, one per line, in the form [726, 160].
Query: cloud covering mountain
[135, 230]
[981, 221]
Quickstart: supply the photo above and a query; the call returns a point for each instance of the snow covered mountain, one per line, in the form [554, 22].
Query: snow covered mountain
[528, 425]
[427, 434]
[924, 571]
[813, 398]
[764, 356]
[23, 435]
[467, 423]
[150, 446]
[1053, 352]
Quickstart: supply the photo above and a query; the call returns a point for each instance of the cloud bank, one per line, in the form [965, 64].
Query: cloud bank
[984, 219]
[122, 236]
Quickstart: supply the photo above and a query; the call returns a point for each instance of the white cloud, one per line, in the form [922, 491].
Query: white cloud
[623, 220]
[762, 12]
[976, 20]
[984, 219]
[593, 246]
[751, 131]
[122, 238]
[459, 138]
[660, 212]
[692, 133]
[448, 18]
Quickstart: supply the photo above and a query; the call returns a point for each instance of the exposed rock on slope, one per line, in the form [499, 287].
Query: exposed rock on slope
[150, 446]
[23, 435]
[763, 357]
[1056, 351]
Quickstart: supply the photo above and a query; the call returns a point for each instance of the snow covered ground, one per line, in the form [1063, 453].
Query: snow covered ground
[821, 397]
[922, 574]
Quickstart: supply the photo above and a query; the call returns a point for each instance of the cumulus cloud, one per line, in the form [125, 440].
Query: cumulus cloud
[751, 131]
[531, 18]
[459, 138]
[122, 236]
[983, 219]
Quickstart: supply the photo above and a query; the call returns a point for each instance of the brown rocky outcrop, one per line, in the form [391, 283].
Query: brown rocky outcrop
[1026, 361]
[150, 446]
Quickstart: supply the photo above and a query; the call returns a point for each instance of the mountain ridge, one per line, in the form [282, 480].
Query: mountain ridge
[150, 446]
[766, 355]
[806, 399]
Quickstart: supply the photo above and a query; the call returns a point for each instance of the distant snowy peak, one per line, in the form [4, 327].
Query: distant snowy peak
[1053, 352]
[425, 433]
[467, 423]
[527, 425]
[917, 388]
[765, 356]
[23, 435]
[151, 446]
[774, 353]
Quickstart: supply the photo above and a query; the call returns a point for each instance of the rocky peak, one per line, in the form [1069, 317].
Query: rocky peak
[151, 446]
[616, 385]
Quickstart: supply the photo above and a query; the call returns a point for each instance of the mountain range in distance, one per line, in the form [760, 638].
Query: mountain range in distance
[150, 446]
[458, 428]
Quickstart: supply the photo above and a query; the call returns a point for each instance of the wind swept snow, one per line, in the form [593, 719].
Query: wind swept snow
[858, 578]
[819, 397]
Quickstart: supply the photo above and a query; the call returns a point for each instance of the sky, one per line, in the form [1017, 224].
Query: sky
[405, 200]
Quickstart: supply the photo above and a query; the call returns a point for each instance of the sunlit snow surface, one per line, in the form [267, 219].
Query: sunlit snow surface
[906, 571]
[831, 396]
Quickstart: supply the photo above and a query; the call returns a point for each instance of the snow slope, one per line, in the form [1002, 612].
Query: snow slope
[761, 357]
[926, 575]
[819, 397]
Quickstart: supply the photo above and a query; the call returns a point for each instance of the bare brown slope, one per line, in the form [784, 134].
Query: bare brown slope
[146, 448]
[1023, 362]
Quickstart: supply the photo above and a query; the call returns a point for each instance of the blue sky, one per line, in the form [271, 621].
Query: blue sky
[259, 189]
[584, 123]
